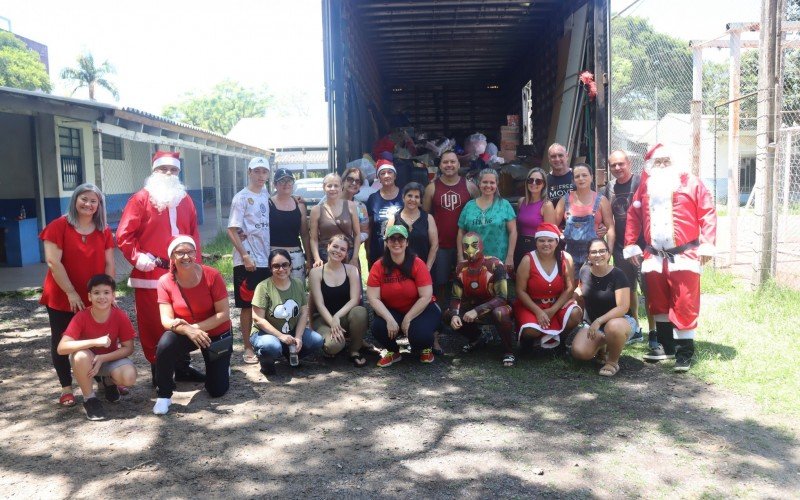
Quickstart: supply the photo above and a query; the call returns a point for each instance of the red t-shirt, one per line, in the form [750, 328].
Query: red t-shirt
[398, 292]
[118, 326]
[81, 259]
[202, 297]
[446, 207]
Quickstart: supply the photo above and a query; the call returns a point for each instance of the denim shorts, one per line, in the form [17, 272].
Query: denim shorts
[632, 322]
[107, 367]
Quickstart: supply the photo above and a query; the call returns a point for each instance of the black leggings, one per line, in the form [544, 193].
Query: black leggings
[173, 349]
[59, 321]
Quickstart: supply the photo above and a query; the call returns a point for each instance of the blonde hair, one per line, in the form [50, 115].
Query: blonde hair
[330, 177]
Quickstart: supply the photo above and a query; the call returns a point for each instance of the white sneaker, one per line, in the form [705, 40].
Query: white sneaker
[162, 406]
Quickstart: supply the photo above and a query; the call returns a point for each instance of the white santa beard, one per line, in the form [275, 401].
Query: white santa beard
[661, 186]
[166, 191]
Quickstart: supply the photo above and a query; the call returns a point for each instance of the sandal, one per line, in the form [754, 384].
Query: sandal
[250, 358]
[509, 360]
[609, 369]
[358, 360]
[67, 400]
[601, 358]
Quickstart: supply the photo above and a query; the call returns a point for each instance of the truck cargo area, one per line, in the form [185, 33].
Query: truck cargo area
[450, 68]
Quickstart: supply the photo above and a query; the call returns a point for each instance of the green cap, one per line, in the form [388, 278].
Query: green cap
[396, 229]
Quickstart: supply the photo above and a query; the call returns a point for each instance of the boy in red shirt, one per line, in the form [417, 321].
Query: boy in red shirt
[99, 340]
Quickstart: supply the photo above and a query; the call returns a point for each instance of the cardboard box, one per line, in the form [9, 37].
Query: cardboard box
[512, 120]
[510, 145]
[506, 128]
[508, 155]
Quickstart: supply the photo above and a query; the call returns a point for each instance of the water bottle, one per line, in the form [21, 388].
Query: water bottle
[294, 359]
[22, 214]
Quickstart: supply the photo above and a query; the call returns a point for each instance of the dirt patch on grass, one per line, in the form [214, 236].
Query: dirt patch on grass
[463, 426]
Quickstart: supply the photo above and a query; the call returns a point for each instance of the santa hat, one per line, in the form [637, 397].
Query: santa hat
[385, 165]
[179, 240]
[547, 230]
[660, 149]
[170, 158]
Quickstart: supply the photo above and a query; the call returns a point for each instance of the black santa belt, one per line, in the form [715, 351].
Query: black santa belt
[670, 253]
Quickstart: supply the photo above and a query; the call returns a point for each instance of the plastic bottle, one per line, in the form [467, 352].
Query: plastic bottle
[22, 214]
[294, 359]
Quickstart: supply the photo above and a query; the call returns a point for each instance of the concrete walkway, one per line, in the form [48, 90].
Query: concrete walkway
[32, 276]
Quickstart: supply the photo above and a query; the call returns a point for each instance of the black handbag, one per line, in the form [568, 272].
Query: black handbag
[221, 347]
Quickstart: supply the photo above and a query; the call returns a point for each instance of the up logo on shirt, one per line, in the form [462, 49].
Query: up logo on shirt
[450, 200]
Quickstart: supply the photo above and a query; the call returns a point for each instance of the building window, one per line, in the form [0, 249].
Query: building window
[112, 148]
[69, 143]
[747, 175]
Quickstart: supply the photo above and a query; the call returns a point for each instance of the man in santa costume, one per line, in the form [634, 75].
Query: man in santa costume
[152, 217]
[675, 212]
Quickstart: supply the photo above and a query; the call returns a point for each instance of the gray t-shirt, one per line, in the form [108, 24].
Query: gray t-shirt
[250, 213]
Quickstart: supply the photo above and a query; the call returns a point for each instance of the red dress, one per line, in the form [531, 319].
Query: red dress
[544, 289]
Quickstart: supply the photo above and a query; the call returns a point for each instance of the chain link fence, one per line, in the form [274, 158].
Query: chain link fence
[653, 78]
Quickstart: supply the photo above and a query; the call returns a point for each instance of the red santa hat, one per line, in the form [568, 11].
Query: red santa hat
[660, 150]
[547, 230]
[385, 165]
[179, 240]
[171, 158]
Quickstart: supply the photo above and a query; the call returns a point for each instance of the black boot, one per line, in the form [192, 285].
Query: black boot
[665, 349]
[189, 374]
[684, 354]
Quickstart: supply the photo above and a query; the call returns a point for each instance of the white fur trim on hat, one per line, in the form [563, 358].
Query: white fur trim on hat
[167, 160]
[179, 240]
[546, 234]
[386, 166]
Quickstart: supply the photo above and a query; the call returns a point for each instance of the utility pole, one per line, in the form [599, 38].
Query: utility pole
[769, 55]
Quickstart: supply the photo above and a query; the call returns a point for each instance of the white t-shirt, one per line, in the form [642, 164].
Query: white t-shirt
[250, 213]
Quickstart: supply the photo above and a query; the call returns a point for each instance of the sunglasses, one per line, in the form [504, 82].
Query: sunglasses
[353, 180]
[396, 238]
[534, 180]
[282, 265]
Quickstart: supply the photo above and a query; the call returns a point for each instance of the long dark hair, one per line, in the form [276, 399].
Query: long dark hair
[405, 268]
[278, 251]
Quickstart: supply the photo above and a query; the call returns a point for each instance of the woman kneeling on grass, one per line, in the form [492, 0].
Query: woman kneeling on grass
[400, 291]
[606, 294]
[544, 307]
[99, 340]
[193, 301]
[280, 316]
[336, 293]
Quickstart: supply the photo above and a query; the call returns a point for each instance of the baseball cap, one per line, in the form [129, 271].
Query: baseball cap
[282, 173]
[258, 162]
[396, 229]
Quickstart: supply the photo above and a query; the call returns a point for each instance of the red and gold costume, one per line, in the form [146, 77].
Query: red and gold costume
[481, 284]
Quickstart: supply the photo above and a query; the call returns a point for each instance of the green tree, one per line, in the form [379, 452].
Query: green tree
[221, 108]
[649, 71]
[91, 76]
[20, 67]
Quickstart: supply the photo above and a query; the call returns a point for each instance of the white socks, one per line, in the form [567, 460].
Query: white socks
[162, 406]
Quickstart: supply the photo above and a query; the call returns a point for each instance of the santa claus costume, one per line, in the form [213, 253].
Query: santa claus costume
[152, 218]
[675, 213]
[480, 297]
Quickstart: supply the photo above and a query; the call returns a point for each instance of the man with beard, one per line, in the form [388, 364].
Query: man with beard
[152, 217]
[675, 212]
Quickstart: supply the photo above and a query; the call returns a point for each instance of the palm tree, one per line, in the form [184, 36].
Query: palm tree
[90, 76]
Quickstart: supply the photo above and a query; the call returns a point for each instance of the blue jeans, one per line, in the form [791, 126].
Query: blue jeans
[268, 345]
[420, 332]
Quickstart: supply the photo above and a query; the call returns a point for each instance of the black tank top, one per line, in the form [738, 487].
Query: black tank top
[335, 297]
[417, 234]
[284, 226]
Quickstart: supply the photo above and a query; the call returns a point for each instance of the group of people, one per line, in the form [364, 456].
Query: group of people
[574, 256]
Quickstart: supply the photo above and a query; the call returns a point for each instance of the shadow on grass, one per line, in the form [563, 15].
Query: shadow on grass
[715, 351]
[462, 427]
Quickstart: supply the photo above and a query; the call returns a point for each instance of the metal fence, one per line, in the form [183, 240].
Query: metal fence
[658, 81]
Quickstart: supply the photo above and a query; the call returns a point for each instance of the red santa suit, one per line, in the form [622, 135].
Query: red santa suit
[142, 230]
[679, 227]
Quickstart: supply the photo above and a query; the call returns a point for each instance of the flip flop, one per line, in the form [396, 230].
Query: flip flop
[509, 360]
[67, 400]
[249, 359]
[358, 360]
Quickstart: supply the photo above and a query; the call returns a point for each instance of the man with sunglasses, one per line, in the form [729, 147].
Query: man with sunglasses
[248, 230]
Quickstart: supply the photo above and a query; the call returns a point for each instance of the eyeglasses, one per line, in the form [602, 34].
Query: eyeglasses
[181, 255]
[662, 162]
[602, 251]
[285, 180]
[396, 238]
[282, 265]
[534, 180]
[353, 180]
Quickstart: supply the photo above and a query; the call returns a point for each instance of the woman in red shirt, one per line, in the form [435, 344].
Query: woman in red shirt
[193, 302]
[77, 246]
[400, 291]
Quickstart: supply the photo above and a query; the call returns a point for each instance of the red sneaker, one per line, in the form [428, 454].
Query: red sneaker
[389, 359]
[426, 356]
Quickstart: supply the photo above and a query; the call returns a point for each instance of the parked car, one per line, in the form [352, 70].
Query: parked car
[310, 190]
